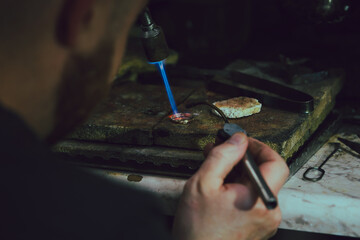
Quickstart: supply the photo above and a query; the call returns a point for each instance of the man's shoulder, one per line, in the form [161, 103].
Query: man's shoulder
[110, 209]
[41, 193]
[17, 141]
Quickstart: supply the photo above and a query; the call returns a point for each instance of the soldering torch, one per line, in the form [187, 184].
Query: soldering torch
[153, 39]
[157, 50]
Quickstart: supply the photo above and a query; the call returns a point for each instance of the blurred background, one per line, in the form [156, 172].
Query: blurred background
[212, 34]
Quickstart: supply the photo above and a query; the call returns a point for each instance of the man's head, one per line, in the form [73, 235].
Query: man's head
[58, 57]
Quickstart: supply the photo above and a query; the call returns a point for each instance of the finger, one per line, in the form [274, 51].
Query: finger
[260, 150]
[271, 234]
[208, 148]
[221, 160]
[272, 166]
[243, 196]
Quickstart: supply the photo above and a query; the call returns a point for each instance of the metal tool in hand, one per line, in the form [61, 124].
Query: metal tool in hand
[315, 174]
[252, 169]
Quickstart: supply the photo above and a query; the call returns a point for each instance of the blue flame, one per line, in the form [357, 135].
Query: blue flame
[161, 66]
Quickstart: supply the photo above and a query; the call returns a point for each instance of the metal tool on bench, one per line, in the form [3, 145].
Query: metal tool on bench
[280, 96]
[273, 94]
[352, 145]
[315, 174]
[248, 161]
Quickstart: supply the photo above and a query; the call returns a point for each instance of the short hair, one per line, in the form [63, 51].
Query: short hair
[22, 19]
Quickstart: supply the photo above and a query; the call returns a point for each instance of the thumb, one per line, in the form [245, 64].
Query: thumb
[221, 160]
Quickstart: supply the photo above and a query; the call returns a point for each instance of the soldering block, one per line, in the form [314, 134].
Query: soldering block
[238, 107]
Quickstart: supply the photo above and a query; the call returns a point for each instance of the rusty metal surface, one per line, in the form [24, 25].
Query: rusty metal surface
[129, 114]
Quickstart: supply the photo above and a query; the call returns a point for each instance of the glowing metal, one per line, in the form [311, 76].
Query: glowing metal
[182, 118]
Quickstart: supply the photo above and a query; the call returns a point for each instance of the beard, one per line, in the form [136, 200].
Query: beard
[84, 82]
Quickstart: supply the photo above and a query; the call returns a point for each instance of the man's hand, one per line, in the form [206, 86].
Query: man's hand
[211, 209]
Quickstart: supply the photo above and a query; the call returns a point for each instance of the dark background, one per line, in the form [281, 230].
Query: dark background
[211, 34]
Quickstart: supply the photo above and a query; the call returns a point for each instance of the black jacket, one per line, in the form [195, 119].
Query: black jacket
[44, 198]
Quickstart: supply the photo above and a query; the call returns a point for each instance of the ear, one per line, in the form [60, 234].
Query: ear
[79, 24]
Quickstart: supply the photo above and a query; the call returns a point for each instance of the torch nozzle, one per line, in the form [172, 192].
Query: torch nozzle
[145, 18]
[153, 39]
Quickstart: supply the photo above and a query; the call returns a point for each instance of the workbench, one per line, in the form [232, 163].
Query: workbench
[129, 139]
[132, 126]
[329, 206]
